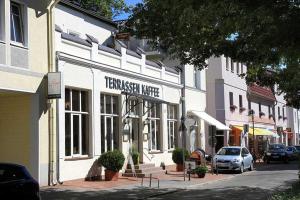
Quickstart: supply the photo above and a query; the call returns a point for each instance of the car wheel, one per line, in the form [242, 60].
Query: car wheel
[242, 168]
[251, 167]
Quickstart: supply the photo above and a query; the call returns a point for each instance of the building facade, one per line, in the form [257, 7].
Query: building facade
[23, 103]
[247, 110]
[113, 97]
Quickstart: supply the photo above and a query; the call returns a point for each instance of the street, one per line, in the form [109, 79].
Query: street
[259, 184]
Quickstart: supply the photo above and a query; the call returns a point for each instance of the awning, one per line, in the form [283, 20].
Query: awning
[209, 119]
[258, 131]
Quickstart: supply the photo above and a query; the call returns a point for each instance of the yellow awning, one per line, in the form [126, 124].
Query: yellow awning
[257, 131]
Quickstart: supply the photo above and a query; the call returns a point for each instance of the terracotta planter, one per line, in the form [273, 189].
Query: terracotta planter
[201, 175]
[179, 167]
[111, 175]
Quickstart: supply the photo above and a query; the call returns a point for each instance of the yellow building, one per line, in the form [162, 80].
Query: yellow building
[23, 69]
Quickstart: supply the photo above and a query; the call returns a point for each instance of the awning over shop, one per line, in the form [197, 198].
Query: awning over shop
[209, 119]
[258, 131]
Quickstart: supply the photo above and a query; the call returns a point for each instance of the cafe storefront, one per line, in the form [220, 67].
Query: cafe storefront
[105, 108]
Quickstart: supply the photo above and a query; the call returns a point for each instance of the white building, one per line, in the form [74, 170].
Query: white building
[97, 82]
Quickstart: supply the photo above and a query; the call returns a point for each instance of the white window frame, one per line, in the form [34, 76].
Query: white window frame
[2, 16]
[173, 121]
[157, 122]
[77, 113]
[227, 63]
[104, 115]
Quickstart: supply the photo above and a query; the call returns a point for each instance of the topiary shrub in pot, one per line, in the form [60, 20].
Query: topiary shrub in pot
[177, 157]
[113, 162]
[135, 157]
[200, 171]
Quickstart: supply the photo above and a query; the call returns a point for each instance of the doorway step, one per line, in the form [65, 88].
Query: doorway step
[142, 170]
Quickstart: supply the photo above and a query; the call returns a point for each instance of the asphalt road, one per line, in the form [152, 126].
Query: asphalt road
[259, 184]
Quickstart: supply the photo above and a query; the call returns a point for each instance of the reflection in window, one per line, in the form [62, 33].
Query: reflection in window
[109, 122]
[154, 124]
[172, 125]
[76, 122]
[16, 24]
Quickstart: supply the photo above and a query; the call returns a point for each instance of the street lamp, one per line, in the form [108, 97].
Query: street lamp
[251, 112]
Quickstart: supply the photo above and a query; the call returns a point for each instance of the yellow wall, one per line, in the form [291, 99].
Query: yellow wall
[15, 129]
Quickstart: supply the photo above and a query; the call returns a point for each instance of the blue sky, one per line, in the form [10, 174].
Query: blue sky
[129, 3]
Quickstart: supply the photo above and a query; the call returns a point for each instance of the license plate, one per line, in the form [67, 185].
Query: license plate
[222, 164]
[275, 156]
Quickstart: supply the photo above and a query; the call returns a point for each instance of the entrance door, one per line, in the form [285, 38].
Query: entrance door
[135, 134]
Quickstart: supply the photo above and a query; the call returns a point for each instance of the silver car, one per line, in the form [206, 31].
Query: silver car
[233, 158]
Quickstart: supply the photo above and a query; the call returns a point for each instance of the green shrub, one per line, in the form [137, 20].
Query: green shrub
[200, 170]
[135, 157]
[178, 154]
[112, 160]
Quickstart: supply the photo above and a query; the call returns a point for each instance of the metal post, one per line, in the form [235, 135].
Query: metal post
[189, 171]
[183, 110]
[253, 137]
[150, 180]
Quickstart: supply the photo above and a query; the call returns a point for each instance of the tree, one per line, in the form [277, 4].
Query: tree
[106, 8]
[262, 34]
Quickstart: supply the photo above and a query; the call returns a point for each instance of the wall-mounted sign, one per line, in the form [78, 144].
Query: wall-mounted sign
[131, 87]
[54, 85]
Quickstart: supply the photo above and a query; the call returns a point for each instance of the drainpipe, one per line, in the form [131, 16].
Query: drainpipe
[51, 68]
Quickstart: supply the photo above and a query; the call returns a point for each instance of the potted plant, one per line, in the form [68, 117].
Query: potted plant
[200, 171]
[135, 157]
[177, 157]
[113, 162]
[163, 166]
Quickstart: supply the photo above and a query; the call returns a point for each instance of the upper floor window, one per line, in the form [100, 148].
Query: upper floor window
[1, 20]
[197, 79]
[231, 98]
[232, 66]
[279, 116]
[283, 114]
[242, 68]
[227, 63]
[241, 101]
[238, 68]
[16, 23]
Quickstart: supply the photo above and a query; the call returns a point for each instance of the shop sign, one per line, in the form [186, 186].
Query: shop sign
[54, 85]
[131, 87]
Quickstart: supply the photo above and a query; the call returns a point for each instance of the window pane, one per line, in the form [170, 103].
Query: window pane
[115, 132]
[172, 134]
[102, 135]
[84, 134]
[109, 132]
[115, 105]
[84, 101]
[67, 134]
[75, 134]
[67, 99]
[157, 134]
[157, 106]
[102, 103]
[75, 100]
[108, 104]
[153, 134]
[17, 29]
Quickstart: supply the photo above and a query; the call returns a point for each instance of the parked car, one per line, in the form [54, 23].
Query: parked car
[298, 149]
[276, 152]
[292, 153]
[17, 183]
[233, 158]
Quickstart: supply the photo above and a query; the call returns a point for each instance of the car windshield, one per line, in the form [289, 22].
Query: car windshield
[290, 149]
[229, 151]
[276, 146]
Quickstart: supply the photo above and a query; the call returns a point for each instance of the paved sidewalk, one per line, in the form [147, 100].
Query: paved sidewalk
[171, 180]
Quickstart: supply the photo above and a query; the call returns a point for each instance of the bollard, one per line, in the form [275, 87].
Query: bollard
[142, 180]
[150, 180]
[158, 183]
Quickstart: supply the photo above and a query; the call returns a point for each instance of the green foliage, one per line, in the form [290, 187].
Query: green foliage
[135, 157]
[106, 8]
[112, 160]
[262, 34]
[177, 155]
[200, 170]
